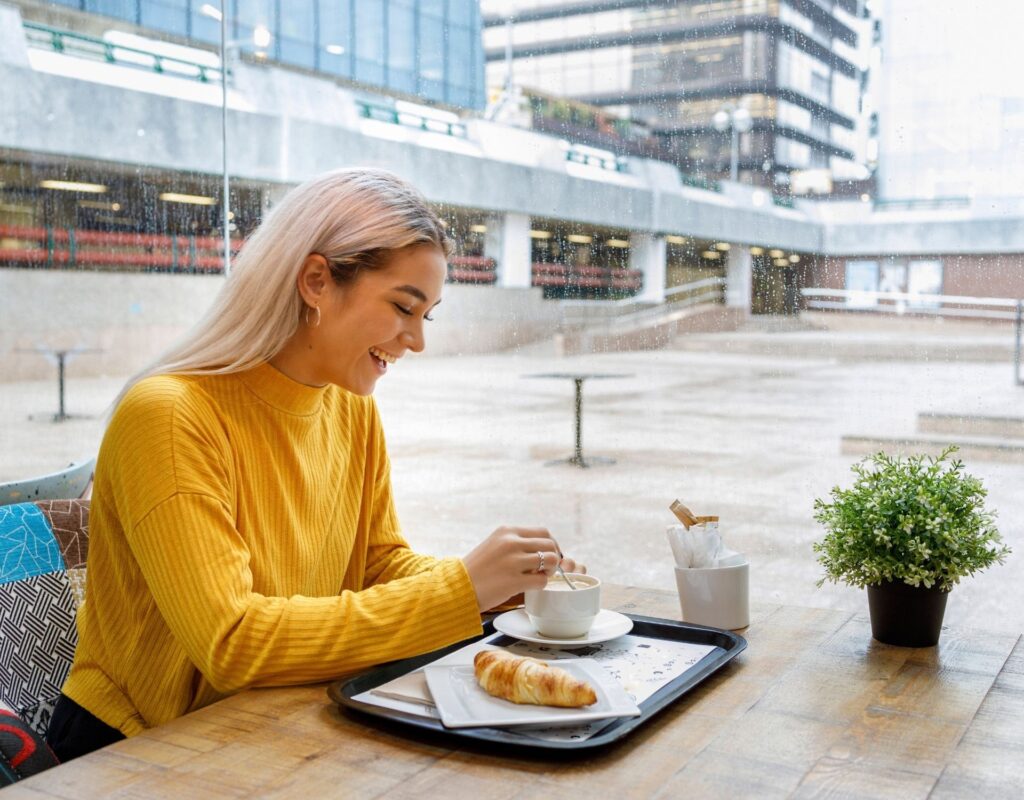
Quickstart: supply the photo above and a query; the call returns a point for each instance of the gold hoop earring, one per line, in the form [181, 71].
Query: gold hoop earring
[314, 324]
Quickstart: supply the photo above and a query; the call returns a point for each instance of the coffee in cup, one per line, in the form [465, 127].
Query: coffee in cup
[561, 612]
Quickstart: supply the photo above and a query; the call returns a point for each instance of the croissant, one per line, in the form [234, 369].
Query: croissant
[529, 681]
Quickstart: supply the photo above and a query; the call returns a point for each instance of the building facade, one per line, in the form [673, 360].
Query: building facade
[952, 104]
[425, 48]
[797, 68]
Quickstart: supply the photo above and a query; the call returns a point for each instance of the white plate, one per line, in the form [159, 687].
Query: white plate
[608, 625]
[463, 704]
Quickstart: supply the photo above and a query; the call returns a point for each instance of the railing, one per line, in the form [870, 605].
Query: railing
[91, 47]
[472, 269]
[910, 303]
[581, 154]
[72, 248]
[699, 183]
[629, 312]
[921, 203]
[410, 119]
[569, 276]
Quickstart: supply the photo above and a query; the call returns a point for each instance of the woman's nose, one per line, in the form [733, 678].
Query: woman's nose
[412, 337]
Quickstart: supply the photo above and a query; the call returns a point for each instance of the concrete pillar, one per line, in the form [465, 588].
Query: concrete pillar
[508, 243]
[647, 253]
[13, 49]
[739, 278]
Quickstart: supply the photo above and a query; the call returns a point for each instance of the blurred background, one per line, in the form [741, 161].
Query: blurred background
[795, 227]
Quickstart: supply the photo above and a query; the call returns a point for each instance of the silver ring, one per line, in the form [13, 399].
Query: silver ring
[542, 557]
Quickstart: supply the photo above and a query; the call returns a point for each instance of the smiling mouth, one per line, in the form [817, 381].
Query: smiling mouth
[382, 358]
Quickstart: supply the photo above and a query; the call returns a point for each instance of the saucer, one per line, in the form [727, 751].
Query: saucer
[608, 625]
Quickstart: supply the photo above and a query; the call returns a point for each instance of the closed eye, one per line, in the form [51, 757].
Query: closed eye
[408, 312]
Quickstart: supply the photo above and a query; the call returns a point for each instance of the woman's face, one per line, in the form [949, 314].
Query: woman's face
[367, 325]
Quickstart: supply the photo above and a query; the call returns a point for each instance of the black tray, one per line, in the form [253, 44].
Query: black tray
[727, 646]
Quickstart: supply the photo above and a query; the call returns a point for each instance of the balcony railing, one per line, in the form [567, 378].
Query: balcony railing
[382, 112]
[90, 47]
[72, 248]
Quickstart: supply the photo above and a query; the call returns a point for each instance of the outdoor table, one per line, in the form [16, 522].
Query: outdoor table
[61, 357]
[577, 459]
[813, 707]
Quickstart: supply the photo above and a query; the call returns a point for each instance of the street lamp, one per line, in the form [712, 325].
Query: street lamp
[261, 38]
[738, 121]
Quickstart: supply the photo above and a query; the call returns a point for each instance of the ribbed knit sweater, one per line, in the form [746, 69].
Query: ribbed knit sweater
[242, 533]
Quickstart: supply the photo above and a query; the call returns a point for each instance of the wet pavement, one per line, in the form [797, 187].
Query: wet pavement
[751, 436]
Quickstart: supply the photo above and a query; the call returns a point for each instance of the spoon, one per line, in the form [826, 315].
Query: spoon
[560, 571]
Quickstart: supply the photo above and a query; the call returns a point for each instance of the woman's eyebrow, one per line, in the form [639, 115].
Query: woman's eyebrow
[412, 290]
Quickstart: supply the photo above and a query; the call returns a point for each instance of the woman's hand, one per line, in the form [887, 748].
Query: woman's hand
[512, 560]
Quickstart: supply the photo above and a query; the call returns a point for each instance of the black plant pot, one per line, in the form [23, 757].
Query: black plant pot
[908, 616]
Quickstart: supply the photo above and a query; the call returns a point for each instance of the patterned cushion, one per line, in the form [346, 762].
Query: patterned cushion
[22, 752]
[43, 548]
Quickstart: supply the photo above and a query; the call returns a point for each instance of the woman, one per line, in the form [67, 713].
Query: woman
[242, 527]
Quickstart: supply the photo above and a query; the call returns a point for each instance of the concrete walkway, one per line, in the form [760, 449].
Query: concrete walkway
[751, 436]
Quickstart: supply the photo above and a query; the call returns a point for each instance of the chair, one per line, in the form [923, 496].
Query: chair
[73, 481]
[43, 548]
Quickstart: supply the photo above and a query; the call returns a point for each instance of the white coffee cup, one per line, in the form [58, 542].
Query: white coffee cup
[718, 597]
[560, 612]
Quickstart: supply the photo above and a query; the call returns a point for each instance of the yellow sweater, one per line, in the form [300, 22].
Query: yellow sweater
[243, 534]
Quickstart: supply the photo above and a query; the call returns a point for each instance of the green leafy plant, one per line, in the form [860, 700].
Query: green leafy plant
[918, 520]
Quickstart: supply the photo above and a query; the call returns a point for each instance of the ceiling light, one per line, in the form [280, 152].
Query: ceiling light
[675, 239]
[623, 243]
[261, 36]
[74, 186]
[335, 49]
[540, 234]
[193, 199]
[100, 205]
[711, 254]
[210, 11]
[579, 238]
[757, 251]
[781, 262]
[794, 259]
[776, 253]
[723, 246]
[865, 197]
[478, 228]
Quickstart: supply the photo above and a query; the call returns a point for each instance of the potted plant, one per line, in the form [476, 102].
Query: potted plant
[908, 529]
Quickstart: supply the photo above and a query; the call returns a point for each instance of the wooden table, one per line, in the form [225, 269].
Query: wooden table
[813, 708]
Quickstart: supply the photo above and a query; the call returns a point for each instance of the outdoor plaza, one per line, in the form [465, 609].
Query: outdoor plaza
[747, 425]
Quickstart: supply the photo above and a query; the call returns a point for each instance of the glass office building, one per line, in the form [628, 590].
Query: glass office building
[427, 48]
[797, 67]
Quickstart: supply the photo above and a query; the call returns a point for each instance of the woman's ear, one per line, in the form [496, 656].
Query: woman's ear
[314, 279]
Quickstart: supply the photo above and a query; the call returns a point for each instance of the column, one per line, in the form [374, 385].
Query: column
[508, 243]
[739, 278]
[647, 253]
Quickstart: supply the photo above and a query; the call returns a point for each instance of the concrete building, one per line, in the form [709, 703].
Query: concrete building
[789, 75]
[111, 171]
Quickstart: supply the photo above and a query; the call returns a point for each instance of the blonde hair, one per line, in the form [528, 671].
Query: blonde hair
[355, 218]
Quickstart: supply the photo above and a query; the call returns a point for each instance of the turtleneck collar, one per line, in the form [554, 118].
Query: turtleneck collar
[278, 390]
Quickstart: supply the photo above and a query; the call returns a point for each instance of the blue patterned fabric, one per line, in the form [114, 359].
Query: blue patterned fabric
[27, 544]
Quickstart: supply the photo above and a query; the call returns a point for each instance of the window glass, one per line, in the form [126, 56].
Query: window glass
[335, 47]
[401, 36]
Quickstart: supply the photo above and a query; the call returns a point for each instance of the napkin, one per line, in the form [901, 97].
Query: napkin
[700, 547]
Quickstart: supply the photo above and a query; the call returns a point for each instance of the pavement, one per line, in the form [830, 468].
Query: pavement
[749, 433]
